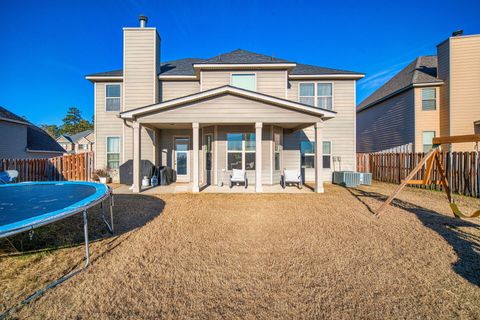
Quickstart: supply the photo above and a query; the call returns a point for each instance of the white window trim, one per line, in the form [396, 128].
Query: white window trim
[315, 92]
[279, 151]
[106, 98]
[313, 154]
[436, 98]
[119, 152]
[330, 154]
[243, 151]
[423, 133]
[245, 73]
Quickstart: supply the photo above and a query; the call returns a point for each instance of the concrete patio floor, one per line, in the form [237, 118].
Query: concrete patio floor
[178, 187]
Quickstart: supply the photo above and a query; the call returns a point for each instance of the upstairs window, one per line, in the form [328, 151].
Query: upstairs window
[429, 101]
[82, 147]
[319, 95]
[112, 96]
[245, 81]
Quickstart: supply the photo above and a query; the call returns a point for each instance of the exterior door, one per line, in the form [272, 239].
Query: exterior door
[181, 158]
[208, 158]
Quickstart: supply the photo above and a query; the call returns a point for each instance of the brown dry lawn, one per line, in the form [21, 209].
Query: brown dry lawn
[258, 257]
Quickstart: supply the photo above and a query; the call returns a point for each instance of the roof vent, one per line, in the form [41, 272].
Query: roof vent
[457, 33]
[143, 21]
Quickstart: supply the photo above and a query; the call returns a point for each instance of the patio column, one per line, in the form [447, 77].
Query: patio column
[318, 157]
[195, 138]
[258, 157]
[137, 157]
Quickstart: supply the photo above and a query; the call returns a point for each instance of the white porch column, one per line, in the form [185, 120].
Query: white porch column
[195, 137]
[258, 157]
[318, 157]
[137, 157]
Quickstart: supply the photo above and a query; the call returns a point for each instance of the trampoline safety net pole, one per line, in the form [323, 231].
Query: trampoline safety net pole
[85, 231]
[111, 211]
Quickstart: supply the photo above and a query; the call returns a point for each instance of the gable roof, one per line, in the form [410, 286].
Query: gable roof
[184, 67]
[37, 139]
[422, 70]
[74, 138]
[77, 136]
[10, 116]
[228, 90]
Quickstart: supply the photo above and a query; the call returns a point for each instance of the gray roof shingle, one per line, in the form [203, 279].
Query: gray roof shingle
[421, 70]
[39, 140]
[243, 56]
[5, 114]
[77, 136]
[184, 67]
[306, 69]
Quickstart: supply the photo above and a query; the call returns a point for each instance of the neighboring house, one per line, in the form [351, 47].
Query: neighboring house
[21, 139]
[77, 143]
[205, 117]
[433, 96]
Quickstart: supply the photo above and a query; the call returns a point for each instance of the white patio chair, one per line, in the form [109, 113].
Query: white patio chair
[292, 177]
[237, 177]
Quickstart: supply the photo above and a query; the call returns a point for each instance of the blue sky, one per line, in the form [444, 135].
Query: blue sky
[46, 47]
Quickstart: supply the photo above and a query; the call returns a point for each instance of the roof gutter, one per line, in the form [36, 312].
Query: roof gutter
[243, 65]
[43, 151]
[14, 121]
[104, 78]
[353, 76]
[177, 77]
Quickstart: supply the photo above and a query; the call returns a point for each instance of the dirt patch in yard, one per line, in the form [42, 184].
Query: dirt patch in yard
[279, 256]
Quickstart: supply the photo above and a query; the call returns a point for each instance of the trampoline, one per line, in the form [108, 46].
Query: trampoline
[29, 205]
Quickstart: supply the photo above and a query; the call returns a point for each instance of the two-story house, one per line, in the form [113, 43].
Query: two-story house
[433, 96]
[237, 110]
[77, 143]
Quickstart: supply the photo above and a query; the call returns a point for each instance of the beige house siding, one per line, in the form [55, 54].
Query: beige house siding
[140, 83]
[176, 89]
[228, 109]
[106, 124]
[464, 87]
[388, 124]
[339, 130]
[425, 120]
[65, 144]
[270, 82]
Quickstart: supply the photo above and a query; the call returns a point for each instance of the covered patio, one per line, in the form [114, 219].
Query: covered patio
[203, 137]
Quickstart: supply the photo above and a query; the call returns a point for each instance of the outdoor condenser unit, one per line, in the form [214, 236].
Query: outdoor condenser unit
[351, 179]
[365, 178]
[346, 178]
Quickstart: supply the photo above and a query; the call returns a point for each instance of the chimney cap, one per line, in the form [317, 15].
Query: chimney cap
[457, 33]
[143, 20]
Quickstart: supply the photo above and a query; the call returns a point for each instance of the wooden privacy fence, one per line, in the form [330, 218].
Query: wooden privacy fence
[75, 167]
[462, 169]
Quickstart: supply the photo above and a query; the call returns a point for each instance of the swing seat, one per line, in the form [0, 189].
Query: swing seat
[459, 214]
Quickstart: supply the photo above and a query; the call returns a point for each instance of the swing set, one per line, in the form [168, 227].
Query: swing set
[433, 156]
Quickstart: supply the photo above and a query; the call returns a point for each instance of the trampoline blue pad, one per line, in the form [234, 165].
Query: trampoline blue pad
[30, 203]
